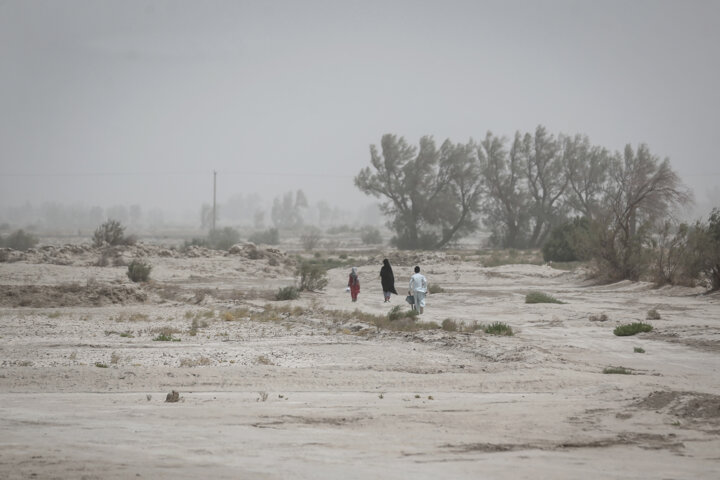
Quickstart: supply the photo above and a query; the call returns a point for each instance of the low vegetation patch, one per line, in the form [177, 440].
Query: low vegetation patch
[498, 328]
[270, 236]
[632, 329]
[449, 325]
[435, 288]
[497, 258]
[617, 371]
[287, 293]
[311, 277]
[396, 313]
[639, 350]
[540, 297]
[19, 240]
[200, 361]
[653, 314]
[112, 233]
[139, 271]
[598, 318]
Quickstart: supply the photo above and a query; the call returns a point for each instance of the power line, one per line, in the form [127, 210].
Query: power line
[193, 173]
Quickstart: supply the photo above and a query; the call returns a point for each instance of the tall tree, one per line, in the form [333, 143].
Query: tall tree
[546, 181]
[430, 195]
[642, 191]
[586, 169]
[505, 206]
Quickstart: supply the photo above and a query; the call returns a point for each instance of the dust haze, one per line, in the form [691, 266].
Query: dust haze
[120, 104]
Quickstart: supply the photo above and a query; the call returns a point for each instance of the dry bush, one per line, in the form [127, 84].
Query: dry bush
[310, 238]
[200, 361]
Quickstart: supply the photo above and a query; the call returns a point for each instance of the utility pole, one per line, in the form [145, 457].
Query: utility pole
[214, 199]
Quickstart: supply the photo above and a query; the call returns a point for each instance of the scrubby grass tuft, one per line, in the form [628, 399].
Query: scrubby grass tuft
[435, 288]
[540, 297]
[653, 314]
[449, 325]
[639, 350]
[598, 318]
[617, 370]
[396, 313]
[498, 328]
[139, 271]
[632, 329]
[287, 293]
[163, 338]
[101, 365]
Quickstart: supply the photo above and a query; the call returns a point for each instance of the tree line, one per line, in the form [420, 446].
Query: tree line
[525, 189]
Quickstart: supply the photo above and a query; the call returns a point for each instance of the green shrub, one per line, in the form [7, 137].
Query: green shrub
[632, 329]
[435, 288]
[311, 277]
[653, 314]
[617, 371]
[397, 313]
[111, 233]
[270, 236]
[540, 297]
[19, 240]
[138, 271]
[287, 293]
[449, 325]
[498, 328]
[370, 236]
[563, 244]
[639, 350]
[223, 239]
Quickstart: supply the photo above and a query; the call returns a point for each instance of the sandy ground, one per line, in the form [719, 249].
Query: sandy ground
[312, 391]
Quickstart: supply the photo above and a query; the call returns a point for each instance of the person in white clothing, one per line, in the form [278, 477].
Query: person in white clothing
[418, 289]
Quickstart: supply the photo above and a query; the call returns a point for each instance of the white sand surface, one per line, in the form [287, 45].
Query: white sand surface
[319, 393]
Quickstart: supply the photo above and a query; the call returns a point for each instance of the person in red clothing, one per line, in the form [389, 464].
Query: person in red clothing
[354, 284]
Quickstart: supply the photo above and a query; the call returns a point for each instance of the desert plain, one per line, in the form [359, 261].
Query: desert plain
[313, 388]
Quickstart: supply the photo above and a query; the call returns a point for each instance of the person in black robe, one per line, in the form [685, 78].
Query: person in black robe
[387, 279]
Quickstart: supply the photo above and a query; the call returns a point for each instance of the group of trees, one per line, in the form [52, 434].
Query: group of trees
[524, 189]
[520, 190]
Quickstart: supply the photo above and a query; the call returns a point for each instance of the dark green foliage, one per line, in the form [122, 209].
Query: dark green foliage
[19, 240]
[540, 297]
[370, 236]
[111, 233]
[223, 239]
[564, 243]
[138, 271]
[617, 371]
[271, 236]
[498, 328]
[312, 276]
[639, 350]
[287, 293]
[632, 329]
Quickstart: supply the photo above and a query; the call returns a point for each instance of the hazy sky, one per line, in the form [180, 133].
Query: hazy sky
[121, 102]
